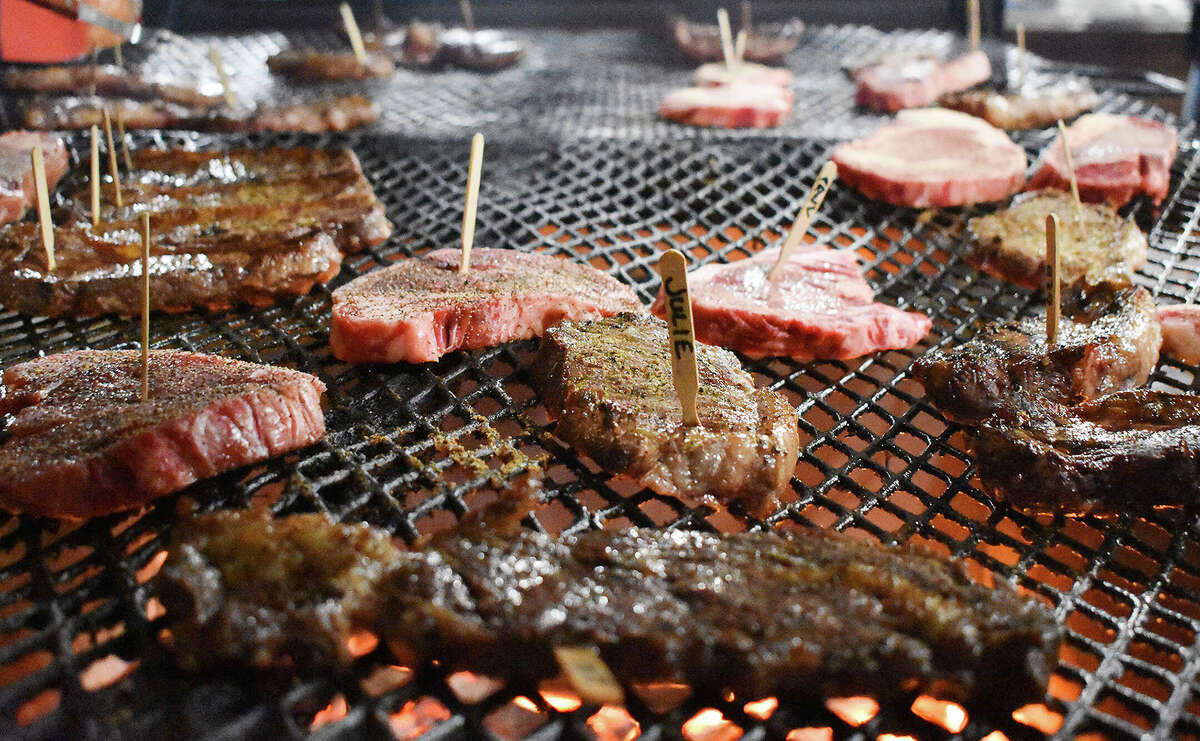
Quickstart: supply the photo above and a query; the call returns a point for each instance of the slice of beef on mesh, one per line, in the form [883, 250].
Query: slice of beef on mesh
[715, 74]
[820, 306]
[608, 383]
[418, 309]
[933, 157]
[82, 442]
[16, 170]
[736, 106]
[1027, 107]
[760, 614]
[912, 83]
[308, 65]
[1115, 157]
[108, 80]
[1181, 332]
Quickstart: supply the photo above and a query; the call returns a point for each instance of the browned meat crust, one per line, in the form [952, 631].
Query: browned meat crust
[105, 80]
[1025, 109]
[762, 614]
[608, 383]
[1011, 243]
[308, 65]
[767, 43]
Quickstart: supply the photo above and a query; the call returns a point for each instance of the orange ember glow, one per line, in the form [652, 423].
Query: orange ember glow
[331, 713]
[810, 734]
[561, 700]
[471, 688]
[761, 709]
[151, 568]
[661, 697]
[1040, 717]
[995, 736]
[894, 737]
[710, 725]
[417, 717]
[105, 671]
[948, 715]
[525, 703]
[853, 711]
[612, 723]
[362, 643]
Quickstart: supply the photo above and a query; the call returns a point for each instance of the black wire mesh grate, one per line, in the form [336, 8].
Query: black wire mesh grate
[412, 448]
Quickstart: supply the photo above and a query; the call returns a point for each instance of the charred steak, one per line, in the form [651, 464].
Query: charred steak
[933, 157]
[106, 80]
[820, 307]
[608, 383]
[418, 309]
[1011, 243]
[82, 443]
[16, 170]
[229, 227]
[892, 85]
[801, 617]
[308, 65]
[1025, 108]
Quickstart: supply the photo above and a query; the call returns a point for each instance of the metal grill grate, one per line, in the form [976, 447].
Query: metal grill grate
[411, 448]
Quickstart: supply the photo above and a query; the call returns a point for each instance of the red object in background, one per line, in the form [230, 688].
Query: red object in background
[29, 33]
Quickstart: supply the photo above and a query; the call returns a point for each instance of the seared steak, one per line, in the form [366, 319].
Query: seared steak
[82, 442]
[1181, 332]
[608, 383]
[418, 309]
[107, 80]
[229, 227]
[1115, 158]
[801, 617]
[1011, 243]
[307, 65]
[933, 157]
[1025, 108]
[1108, 341]
[912, 83]
[820, 307]
[738, 106]
[16, 170]
[768, 43]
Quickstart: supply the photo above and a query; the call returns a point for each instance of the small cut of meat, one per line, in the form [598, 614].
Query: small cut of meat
[1181, 332]
[716, 74]
[729, 107]
[16, 170]
[892, 86]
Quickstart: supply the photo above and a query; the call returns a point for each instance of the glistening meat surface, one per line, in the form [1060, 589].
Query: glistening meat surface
[16, 170]
[819, 307]
[418, 309]
[82, 442]
[894, 85]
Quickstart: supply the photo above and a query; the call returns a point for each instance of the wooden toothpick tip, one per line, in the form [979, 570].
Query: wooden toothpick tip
[808, 210]
[727, 49]
[464, 6]
[215, 57]
[43, 204]
[1022, 62]
[95, 177]
[739, 47]
[589, 675]
[121, 136]
[746, 16]
[973, 27]
[1053, 297]
[112, 158]
[1062, 132]
[145, 306]
[681, 339]
[356, 42]
[472, 201]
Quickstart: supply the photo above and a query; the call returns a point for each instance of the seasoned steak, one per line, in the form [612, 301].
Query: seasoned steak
[16, 170]
[233, 227]
[1011, 243]
[107, 80]
[82, 442]
[1132, 450]
[308, 65]
[800, 617]
[418, 309]
[609, 385]
[1108, 341]
[1025, 108]
[819, 307]
[892, 85]
[768, 43]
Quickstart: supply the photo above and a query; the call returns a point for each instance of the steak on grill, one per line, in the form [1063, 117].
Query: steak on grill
[418, 309]
[1108, 341]
[106, 80]
[1115, 158]
[1011, 243]
[228, 227]
[801, 617]
[82, 443]
[716, 74]
[820, 307]
[608, 383]
[737, 106]
[912, 83]
[767, 43]
[1181, 332]
[307, 65]
[16, 170]
[933, 157]
[1025, 108]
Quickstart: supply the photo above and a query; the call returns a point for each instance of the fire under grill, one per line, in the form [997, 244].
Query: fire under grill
[411, 449]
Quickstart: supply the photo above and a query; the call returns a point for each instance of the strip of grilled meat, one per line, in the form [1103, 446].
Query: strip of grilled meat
[108, 80]
[762, 614]
[308, 65]
[608, 383]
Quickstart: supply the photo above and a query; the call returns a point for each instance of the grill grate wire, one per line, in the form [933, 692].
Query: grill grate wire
[585, 171]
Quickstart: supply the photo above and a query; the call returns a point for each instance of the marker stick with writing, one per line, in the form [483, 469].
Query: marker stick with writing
[682, 336]
[808, 210]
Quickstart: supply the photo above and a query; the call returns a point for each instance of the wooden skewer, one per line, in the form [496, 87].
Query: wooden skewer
[589, 675]
[215, 58]
[809, 209]
[739, 47]
[121, 136]
[468, 14]
[1062, 132]
[472, 204]
[43, 204]
[726, 39]
[973, 28]
[1022, 62]
[1052, 295]
[120, 57]
[112, 159]
[356, 42]
[145, 306]
[746, 16]
[95, 177]
[672, 266]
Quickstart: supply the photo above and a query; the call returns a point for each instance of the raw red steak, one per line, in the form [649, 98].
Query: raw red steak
[933, 157]
[820, 307]
[1115, 158]
[16, 170]
[737, 106]
[82, 443]
[891, 86]
[418, 309]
